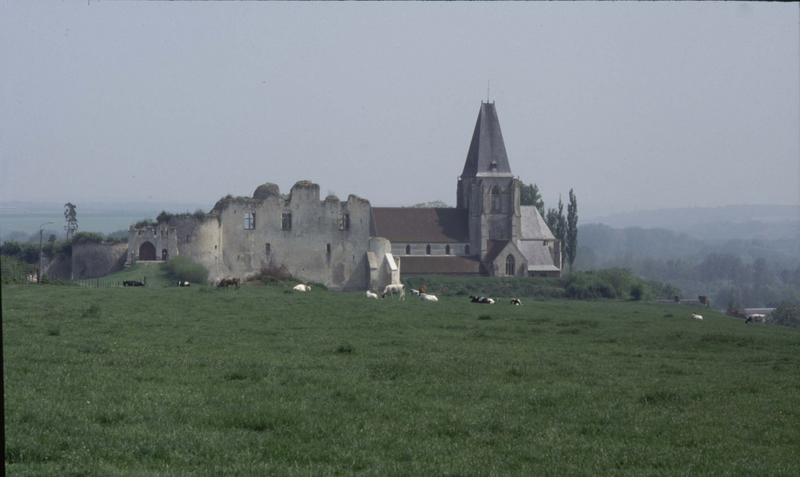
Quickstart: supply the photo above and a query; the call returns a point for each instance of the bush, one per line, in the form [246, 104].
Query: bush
[87, 237]
[182, 268]
[611, 283]
[14, 270]
[787, 314]
[273, 274]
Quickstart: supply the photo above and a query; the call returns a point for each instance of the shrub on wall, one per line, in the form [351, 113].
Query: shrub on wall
[182, 268]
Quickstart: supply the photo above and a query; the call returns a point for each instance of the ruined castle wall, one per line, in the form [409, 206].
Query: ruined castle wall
[319, 246]
[91, 260]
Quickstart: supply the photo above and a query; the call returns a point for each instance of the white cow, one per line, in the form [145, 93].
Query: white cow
[695, 316]
[516, 301]
[426, 297]
[393, 288]
[415, 292]
[371, 294]
[756, 317]
[302, 288]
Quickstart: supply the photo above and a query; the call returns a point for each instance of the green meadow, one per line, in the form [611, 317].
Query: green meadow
[263, 381]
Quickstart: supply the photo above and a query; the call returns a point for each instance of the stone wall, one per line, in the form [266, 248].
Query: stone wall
[326, 242]
[92, 260]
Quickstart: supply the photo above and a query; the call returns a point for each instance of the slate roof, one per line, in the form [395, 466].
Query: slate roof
[493, 249]
[538, 255]
[533, 225]
[487, 148]
[420, 225]
[439, 265]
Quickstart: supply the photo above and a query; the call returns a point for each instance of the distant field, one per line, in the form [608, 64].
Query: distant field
[260, 381]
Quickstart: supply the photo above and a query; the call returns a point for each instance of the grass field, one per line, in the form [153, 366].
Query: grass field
[258, 381]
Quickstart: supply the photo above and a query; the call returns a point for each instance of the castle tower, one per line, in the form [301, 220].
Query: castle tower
[487, 188]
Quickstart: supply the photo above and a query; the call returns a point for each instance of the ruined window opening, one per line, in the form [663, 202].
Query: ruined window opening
[328, 248]
[496, 200]
[493, 166]
[447, 249]
[510, 267]
[249, 220]
[428, 249]
[344, 222]
[408, 249]
[268, 249]
[188, 238]
[286, 221]
[466, 249]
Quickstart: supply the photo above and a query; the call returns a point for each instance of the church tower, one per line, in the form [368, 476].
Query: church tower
[486, 187]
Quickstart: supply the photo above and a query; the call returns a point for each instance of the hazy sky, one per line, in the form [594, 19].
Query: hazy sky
[635, 105]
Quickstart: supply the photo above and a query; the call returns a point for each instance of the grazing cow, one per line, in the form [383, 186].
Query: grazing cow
[132, 283]
[371, 294]
[756, 318]
[695, 316]
[414, 291]
[228, 282]
[426, 297]
[516, 301]
[481, 299]
[183, 283]
[393, 288]
[300, 287]
[32, 278]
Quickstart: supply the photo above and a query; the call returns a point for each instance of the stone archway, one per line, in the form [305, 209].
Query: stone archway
[147, 251]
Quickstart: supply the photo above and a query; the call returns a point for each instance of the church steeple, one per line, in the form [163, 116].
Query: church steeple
[487, 151]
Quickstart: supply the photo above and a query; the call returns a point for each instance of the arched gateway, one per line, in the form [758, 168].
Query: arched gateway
[147, 251]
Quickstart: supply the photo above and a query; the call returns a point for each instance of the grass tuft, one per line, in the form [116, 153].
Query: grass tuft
[93, 311]
[344, 348]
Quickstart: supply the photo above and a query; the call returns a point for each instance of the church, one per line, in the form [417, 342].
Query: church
[350, 245]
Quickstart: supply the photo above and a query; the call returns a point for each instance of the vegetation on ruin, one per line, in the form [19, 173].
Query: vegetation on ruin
[263, 381]
[184, 269]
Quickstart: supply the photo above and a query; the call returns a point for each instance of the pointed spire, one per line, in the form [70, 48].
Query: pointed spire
[487, 151]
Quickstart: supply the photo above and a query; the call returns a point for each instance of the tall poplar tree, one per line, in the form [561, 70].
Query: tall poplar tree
[572, 229]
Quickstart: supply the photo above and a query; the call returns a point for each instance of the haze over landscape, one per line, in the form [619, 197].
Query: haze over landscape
[634, 106]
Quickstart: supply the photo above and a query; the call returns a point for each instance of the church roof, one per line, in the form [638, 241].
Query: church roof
[533, 225]
[487, 151]
[439, 265]
[426, 225]
[538, 256]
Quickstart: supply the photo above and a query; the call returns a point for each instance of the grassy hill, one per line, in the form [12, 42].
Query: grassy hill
[262, 381]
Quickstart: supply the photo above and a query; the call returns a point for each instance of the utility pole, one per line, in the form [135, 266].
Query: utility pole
[39, 271]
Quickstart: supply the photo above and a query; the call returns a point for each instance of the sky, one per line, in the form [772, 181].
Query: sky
[634, 105]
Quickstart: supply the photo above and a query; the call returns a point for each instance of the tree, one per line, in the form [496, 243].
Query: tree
[557, 223]
[572, 229]
[71, 218]
[530, 195]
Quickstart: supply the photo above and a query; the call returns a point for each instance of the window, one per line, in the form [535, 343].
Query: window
[328, 249]
[286, 222]
[447, 249]
[496, 200]
[268, 249]
[408, 249]
[428, 249]
[510, 267]
[466, 249]
[249, 220]
[344, 222]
